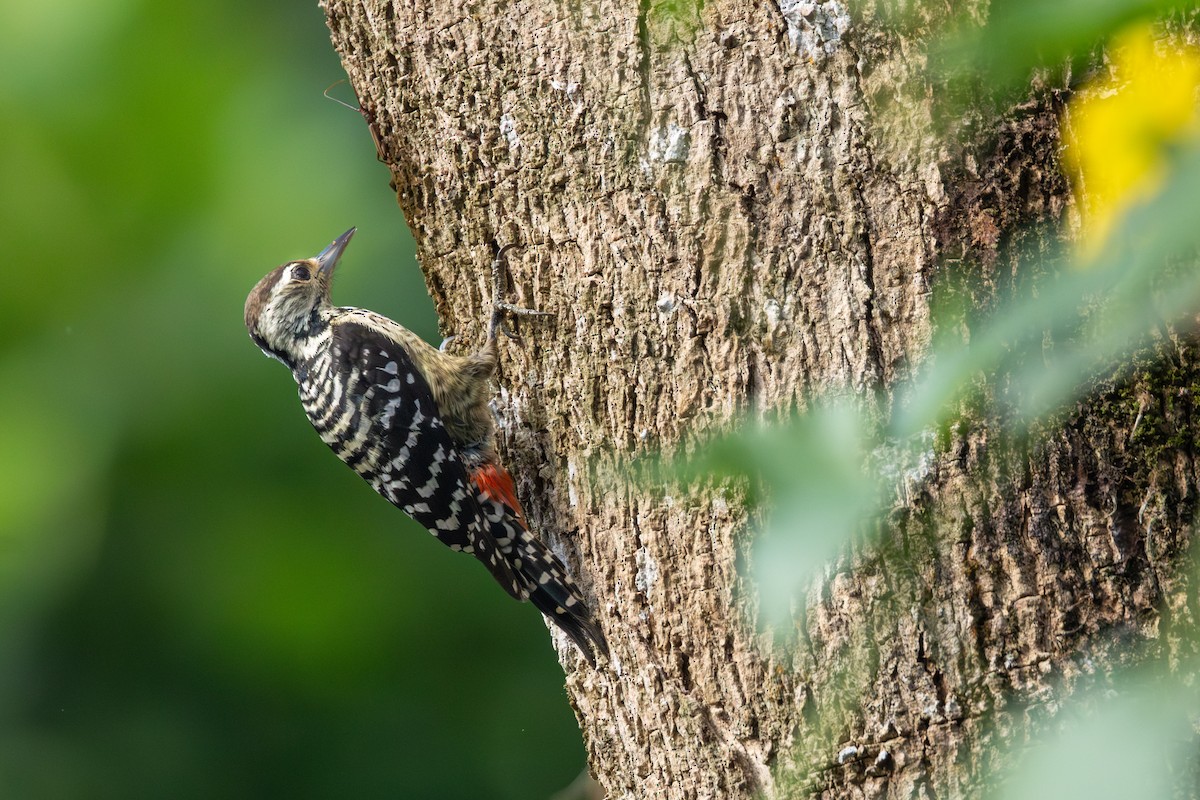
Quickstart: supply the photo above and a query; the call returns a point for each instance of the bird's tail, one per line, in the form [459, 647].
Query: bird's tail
[553, 592]
[544, 579]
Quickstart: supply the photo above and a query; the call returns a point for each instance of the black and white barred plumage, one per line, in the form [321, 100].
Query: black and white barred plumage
[413, 422]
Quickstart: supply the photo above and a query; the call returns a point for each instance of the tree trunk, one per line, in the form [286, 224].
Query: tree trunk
[728, 206]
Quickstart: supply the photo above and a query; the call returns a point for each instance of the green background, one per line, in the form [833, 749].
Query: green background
[196, 598]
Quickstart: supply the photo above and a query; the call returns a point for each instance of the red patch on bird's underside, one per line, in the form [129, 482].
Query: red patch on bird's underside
[495, 482]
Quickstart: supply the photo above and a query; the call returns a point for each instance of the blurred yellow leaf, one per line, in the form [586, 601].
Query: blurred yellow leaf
[1123, 128]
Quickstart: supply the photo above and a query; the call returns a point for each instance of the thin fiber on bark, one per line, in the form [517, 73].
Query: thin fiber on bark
[730, 206]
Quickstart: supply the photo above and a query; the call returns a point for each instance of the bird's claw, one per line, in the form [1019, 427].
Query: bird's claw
[501, 309]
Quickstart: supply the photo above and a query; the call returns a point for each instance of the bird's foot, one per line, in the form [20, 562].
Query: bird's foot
[500, 309]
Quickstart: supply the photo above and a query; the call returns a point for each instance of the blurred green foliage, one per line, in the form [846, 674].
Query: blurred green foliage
[196, 598]
[1113, 745]
[1021, 35]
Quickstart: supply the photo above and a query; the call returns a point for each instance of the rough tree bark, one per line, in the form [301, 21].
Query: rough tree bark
[729, 205]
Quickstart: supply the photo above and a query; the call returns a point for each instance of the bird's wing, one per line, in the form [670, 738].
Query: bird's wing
[411, 459]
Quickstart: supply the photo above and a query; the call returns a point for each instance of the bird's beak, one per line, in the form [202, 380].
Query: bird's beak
[328, 258]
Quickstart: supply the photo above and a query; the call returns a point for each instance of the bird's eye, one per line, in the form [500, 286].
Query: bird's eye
[300, 273]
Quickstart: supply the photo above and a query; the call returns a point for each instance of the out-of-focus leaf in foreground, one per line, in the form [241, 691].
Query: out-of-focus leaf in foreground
[1135, 743]
[810, 471]
[1019, 36]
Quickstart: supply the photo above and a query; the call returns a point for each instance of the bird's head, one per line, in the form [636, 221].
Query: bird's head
[290, 304]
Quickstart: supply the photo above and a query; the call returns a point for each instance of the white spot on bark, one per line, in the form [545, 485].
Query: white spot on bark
[846, 754]
[571, 88]
[670, 144]
[508, 129]
[815, 29]
[772, 310]
[572, 495]
[647, 570]
[666, 302]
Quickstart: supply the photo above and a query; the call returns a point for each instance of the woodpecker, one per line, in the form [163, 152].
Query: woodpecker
[414, 422]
